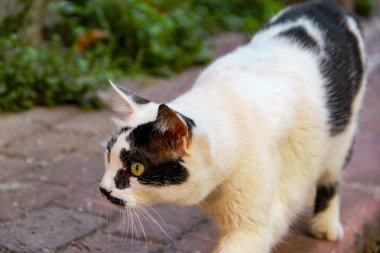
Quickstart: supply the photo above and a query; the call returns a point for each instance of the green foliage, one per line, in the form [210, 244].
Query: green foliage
[12, 23]
[158, 37]
[237, 15]
[145, 37]
[364, 7]
[47, 75]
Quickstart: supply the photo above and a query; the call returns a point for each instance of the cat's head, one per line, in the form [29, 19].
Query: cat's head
[147, 161]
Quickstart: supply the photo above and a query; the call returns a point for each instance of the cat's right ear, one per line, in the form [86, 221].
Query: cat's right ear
[127, 102]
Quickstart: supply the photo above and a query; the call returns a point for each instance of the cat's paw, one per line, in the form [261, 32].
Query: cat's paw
[324, 229]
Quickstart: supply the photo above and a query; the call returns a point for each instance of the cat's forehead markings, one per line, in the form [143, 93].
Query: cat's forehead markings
[121, 144]
[114, 138]
[124, 130]
[111, 142]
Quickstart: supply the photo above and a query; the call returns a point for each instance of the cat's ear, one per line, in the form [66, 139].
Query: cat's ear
[127, 102]
[174, 128]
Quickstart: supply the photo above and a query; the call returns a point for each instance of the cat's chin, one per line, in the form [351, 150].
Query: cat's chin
[124, 205]
[120, 203]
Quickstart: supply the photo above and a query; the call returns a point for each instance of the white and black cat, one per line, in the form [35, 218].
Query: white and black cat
[263, 128]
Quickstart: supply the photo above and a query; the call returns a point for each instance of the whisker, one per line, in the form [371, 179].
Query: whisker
[93, 180]
[100, 132]
[146, 212]
[131, 218]
[126, 236]
[159, 216]
[143, 230]
[121, 215]
[108, 219]
[135, 228]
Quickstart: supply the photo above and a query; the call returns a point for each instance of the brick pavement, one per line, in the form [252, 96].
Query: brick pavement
[51, 161]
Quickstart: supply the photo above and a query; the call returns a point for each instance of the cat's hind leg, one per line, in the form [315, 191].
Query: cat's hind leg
[326, 221]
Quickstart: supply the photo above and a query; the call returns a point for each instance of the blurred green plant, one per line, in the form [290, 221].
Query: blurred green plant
[47, 75]
[16, 20]
[238, 15]
[364, 7]
[154, 37]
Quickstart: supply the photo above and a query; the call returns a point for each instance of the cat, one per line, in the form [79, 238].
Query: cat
[262, 128]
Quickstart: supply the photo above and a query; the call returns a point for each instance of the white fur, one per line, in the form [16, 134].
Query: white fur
[260, 146]
[326, 224]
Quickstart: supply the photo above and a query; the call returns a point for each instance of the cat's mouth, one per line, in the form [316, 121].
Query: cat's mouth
[112, 199]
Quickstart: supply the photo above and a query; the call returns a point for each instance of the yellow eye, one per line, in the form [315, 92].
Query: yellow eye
[137, 169]
[108, 155]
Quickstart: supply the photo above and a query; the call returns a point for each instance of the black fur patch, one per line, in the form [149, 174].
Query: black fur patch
[125, 158]
[124, 130]
[141, 135]
[324, 194]
[113, 139]
[113, 200]
[154, 150]
[137, 99]
[122, 179]
[349, 154]
[301, 37]
[342, 65]
[149, 147]
[111, 142]
[169, 173]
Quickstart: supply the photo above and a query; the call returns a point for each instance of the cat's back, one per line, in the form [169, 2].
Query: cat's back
[333, 37]
[310, 54]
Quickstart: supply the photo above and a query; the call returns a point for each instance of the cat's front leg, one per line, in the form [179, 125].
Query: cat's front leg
[243, 241]
[243, 217]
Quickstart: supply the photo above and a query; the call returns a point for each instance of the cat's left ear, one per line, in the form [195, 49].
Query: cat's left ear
[174, 128]
[128, 102]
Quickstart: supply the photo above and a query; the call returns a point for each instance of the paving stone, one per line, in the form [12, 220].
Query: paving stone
[52, 115]
[201, 240]
[47, 229]
[19, 197]
[226, 42]
[13, 166]
[365, 163]
[70, 171]
[173, 222]
[101, 242]
[47, 145]
[16, 126]
[371, 105]
[297, 243]
[372, 36]
[88, 122]
[359, 211]
[89, 199]
[165, 90]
